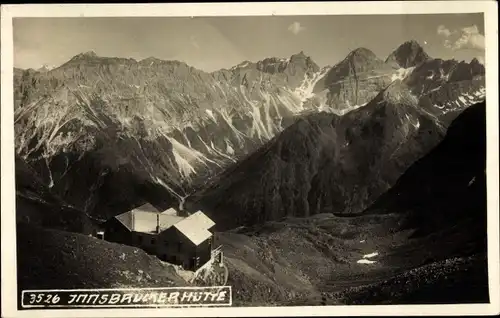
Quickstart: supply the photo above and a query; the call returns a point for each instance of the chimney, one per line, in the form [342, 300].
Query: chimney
[182, 212]
[157, 222]
[132, 220]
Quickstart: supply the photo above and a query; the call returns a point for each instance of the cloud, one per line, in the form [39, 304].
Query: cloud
[296, 28]
[462, 39]
[194, 43]
[442, 30]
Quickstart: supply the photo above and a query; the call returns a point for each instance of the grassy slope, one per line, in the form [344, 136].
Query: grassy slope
[300, 258]
[58, 259]
[314, 261]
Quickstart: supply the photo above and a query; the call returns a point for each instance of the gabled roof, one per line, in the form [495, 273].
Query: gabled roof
[199, 220]
[144, 219]
[195, 227]
[147, 207]
[197, 236]
[170, 211]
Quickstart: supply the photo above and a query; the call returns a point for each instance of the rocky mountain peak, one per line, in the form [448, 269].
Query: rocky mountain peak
[475, 62]
[361, 53]
[86, 55]
[362, 59]
[150, 59]
[304, 60]
[300, 55]
[407, 55]
[44, 68]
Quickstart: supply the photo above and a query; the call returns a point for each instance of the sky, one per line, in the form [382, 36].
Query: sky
[211, 43]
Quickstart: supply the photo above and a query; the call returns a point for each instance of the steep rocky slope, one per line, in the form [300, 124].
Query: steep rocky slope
[328, 163]
[53, 259]
[37, 206]
[162, 129]
[95, 122]
[445, 196]
[423, 241]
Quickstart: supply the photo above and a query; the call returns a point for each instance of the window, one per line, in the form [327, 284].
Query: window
[179, 246]
[139, 239]
[153, 241]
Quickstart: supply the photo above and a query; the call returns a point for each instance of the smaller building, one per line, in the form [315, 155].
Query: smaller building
[171, 235]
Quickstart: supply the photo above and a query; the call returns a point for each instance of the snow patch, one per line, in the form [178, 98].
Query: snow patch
[365, 259]
[229, 149]
[211, 114]
[293, 106]
[241, 65]
[305, 90]
[185, 157]
[348, 109]
[239, 135]
[416, 124]
[258, 126]
[370, 255]
[402, 73]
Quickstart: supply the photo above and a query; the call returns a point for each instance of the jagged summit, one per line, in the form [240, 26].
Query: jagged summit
[88, 54]
[362, 52]
[408, 54]
[363, 58]
[361, 55]
[300, 55]
[358, 60]
[475, 62]
[44, 68]
[412, 43]
[151, 59]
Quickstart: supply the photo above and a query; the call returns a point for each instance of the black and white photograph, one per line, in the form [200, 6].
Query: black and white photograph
[235, 160]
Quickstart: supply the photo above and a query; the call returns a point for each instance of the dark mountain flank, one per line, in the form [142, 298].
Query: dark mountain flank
[443, 199]
[428, 232]
[408, 54]
[325, 163]
[447, 186]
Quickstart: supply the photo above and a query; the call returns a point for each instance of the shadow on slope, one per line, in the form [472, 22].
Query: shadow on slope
[37, 205]
[443, 196]
[52, 259]
[324, 163]
[427, 232]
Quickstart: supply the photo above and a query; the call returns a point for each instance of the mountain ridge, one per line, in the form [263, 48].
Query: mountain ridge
[173, 127]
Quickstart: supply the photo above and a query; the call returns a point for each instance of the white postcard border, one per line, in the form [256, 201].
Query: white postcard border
[9, 273]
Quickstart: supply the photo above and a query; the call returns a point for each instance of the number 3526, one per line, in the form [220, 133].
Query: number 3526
[43, 298]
